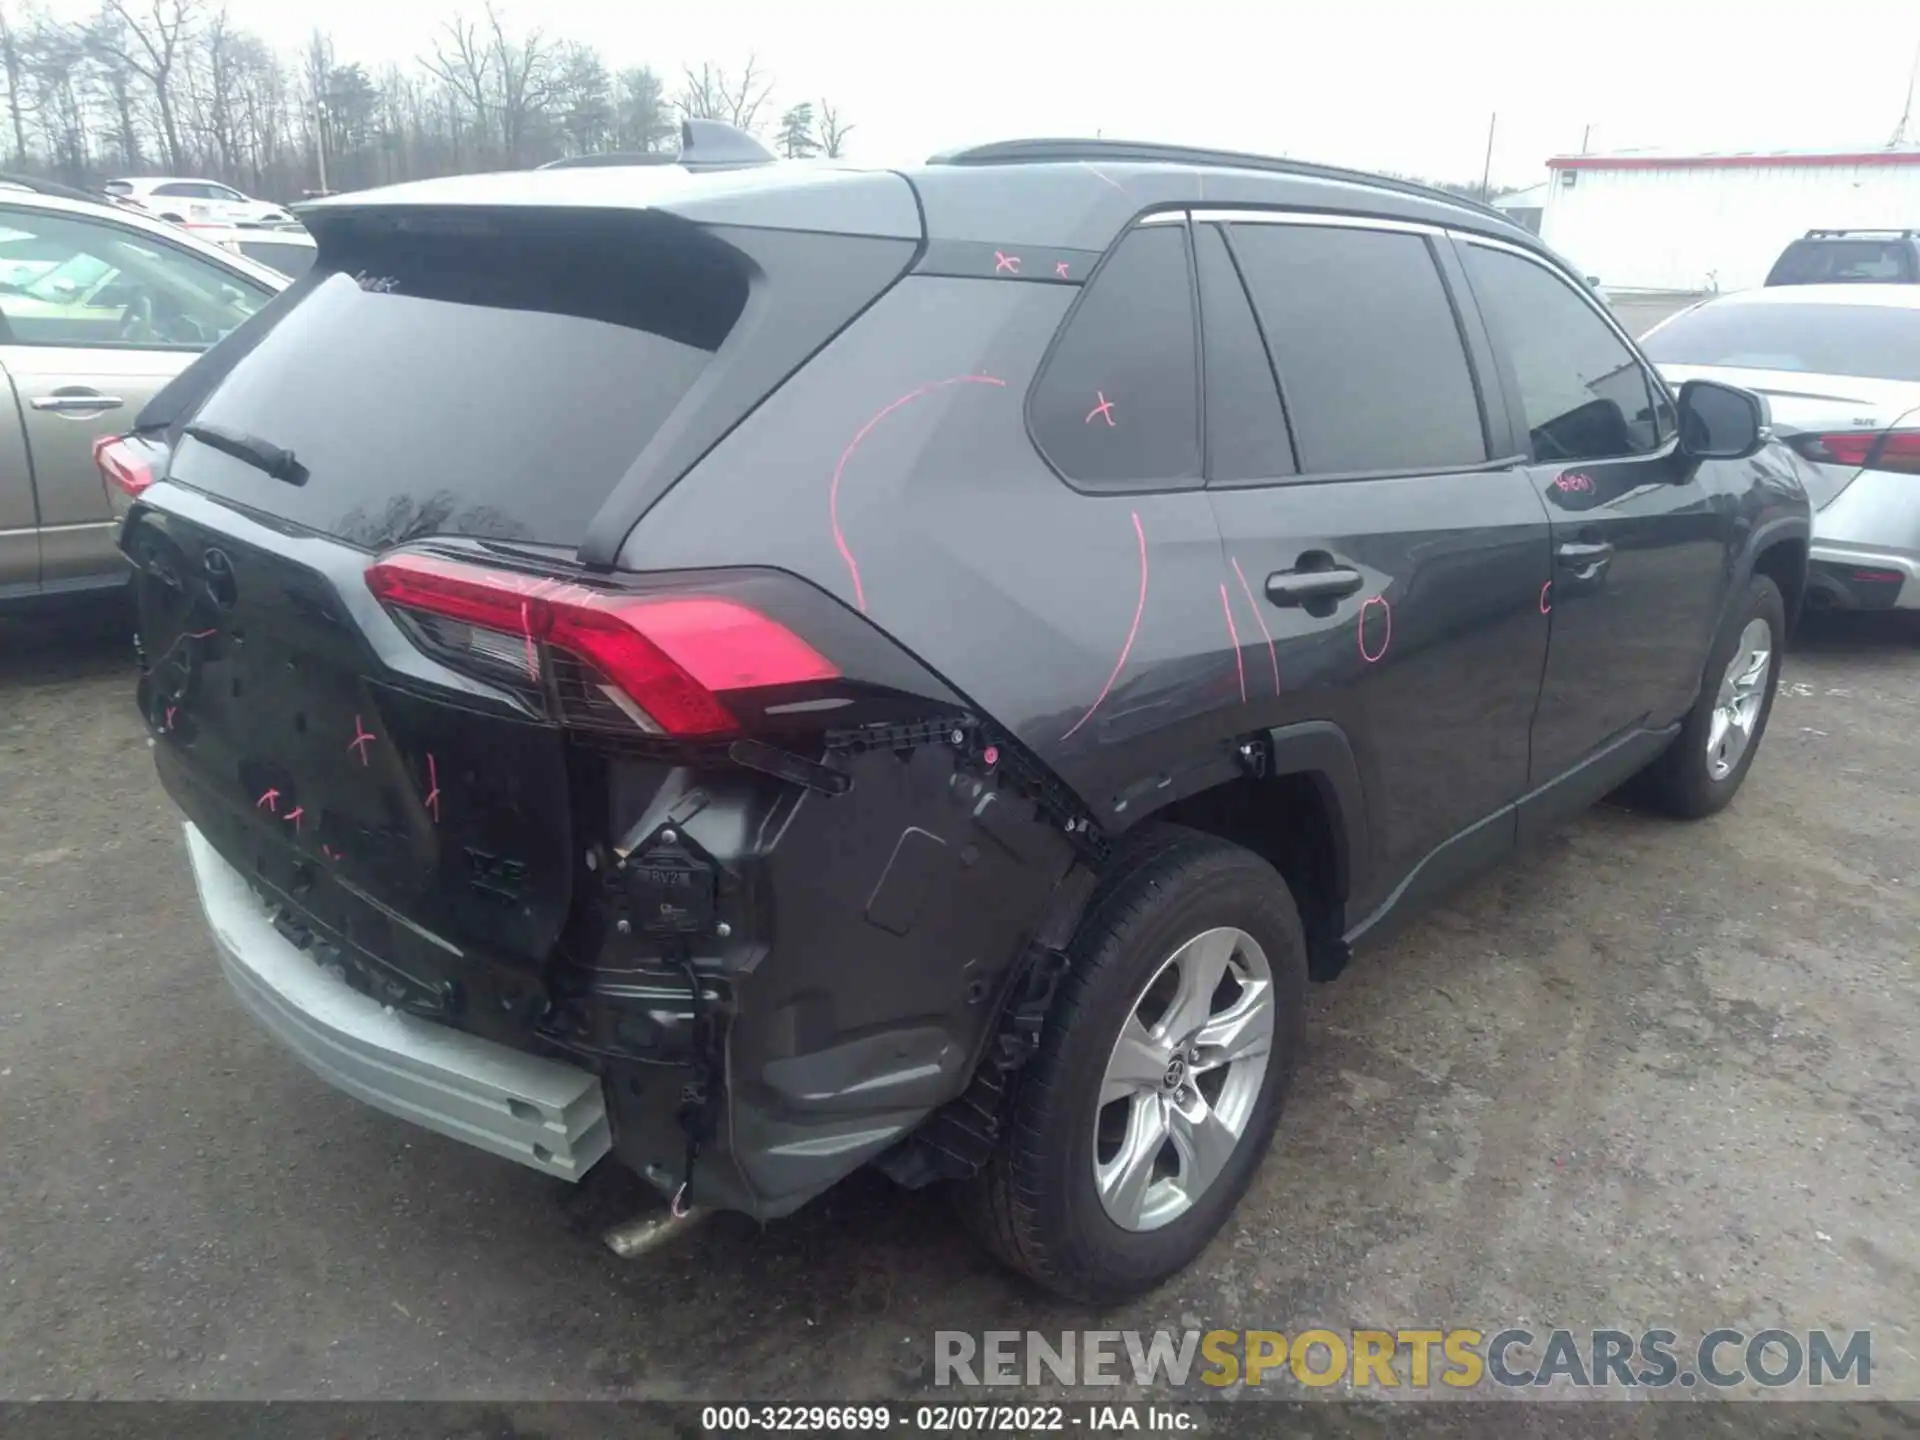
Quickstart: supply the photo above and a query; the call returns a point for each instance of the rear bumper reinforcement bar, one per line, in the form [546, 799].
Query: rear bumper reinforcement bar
[543, 1113]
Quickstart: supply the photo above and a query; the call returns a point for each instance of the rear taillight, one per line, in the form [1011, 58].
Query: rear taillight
[1897, 450]
[665, 661]
[120, 466]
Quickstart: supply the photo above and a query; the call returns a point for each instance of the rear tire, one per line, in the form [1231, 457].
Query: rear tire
[1700, 773]
[1038, 1204]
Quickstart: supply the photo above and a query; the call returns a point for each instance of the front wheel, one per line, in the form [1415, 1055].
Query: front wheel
[1138, 1125]
[1703, 769]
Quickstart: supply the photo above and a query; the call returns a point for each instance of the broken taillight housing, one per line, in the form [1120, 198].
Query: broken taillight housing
[664, 661]
[121, 466]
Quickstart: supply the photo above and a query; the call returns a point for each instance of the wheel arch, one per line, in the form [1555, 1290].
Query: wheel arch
[1300, 806]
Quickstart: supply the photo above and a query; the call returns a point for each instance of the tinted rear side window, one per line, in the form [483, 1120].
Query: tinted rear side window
[489, 376]
[1863, 340]
[1832, 262]
[1117, 406]
[1367, 346]
[1246, 429]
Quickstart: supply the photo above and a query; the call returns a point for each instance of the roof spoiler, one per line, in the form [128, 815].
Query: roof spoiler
[704, 145]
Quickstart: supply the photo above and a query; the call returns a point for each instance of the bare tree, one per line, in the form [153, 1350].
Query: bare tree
[150, 43]
[708, 94]
[524, 79]
[834, 130]
[11, 59]
[464, 64]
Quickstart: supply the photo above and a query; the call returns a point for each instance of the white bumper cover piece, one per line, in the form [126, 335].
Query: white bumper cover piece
[543, 1113]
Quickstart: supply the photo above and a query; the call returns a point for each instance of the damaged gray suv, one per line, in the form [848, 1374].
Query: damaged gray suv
[748, 671]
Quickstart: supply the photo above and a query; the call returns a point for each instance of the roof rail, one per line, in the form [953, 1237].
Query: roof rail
[1834, 234]
[1041, 152]
[704, 145]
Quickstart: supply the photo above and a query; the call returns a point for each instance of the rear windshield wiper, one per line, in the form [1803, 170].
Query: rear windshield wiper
[263, 455]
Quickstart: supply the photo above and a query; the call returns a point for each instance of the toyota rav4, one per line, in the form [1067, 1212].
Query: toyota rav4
[755, 670]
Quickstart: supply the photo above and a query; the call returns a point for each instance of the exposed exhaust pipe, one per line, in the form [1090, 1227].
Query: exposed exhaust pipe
[648, 1232]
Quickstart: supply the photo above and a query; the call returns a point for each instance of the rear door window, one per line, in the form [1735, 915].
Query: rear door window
[1584, 392]
[491, 376]
[1247, 435]
[1116, 406]
[1367, 346]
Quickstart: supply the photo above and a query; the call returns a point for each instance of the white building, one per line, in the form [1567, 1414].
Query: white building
[1703, 222]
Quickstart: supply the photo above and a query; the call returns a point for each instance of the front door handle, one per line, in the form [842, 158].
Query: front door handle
[76, 400]
[1583, 555]
[1297, 587]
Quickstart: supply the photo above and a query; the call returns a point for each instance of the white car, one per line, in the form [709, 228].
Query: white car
[1840, 368]
[290, 250]
[197, 202]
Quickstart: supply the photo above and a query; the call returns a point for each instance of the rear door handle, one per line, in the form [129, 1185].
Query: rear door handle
[67, 400]
[1581, 555]
[1296, 587]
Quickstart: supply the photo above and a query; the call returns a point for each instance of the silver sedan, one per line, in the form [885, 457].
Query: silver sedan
[1840, 368]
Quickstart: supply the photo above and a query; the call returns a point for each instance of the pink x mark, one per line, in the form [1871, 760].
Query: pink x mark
[361, 739]
[1005, 264]
[433, 792]
[1060, 268]
[294, 815]
[271, 799]
[1104, 410]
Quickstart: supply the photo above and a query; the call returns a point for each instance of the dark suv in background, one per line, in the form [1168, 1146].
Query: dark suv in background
[777, 670]
[1860, 257]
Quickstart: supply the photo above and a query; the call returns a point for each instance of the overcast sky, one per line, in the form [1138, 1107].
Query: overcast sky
[1383, 84]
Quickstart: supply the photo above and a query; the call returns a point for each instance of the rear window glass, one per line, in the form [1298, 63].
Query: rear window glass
[480, 376]
[1368, 350]
[1819, 262]
[292, 261]
[1117, 406]
[1863, 340]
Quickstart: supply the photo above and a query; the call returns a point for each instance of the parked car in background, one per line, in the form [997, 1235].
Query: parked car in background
[1850, 257]
[99, 307]
[1840, 368]
[1147, 599]
[286, 248]
[191, 202]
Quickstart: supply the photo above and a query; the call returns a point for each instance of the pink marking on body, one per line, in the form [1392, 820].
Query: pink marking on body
[271, 799]
[1366, 605]
[1005, 264]
[361, 739]
[991, 755]
[1104, 409]
[1060, 268]
[201, 634]
[170, 710]
[1133, 631]
[833, 490]
[1546, 598]
[1239, 665]
[294, 815]
[1273, 656]
[330, 852]
[433, 793]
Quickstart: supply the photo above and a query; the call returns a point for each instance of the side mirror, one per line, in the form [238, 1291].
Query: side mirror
[1721, 422]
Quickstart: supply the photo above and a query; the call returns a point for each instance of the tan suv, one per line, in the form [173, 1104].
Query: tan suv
[98, 309]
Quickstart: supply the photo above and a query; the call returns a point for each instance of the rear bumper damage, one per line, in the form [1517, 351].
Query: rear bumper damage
[855, 957]
[545, 1114]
